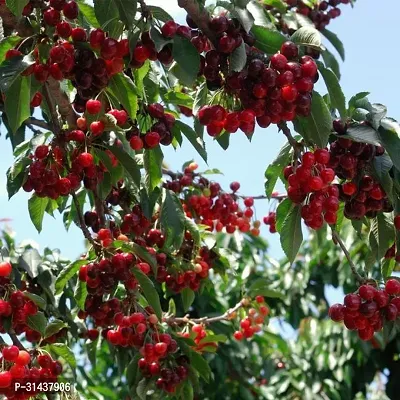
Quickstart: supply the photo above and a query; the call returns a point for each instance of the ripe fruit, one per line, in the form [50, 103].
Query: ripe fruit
[152, 139]
[23, 358]
[71, 10]
[397, 222]
[36, 99]
[5, 269]
[85, 159]
[5, 379]
[366, 292]
[10, 353]
[136, 143]
[392, 287]
[93, 106]
[238, 335]
[169, 29]
[336, 312]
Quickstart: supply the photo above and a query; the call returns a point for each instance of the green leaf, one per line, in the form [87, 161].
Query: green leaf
[281, 212]
[200, 365]
[67, 273]
[275, 169]
[261, 288]
[64, 352]
[122, 87]
[16, 175]
[127, 11]
[37, 207]
[106, 11]
[172, 219]
[214, 338]
[291, 234]
[128, 163]
[187, 391]
[187, 298]
[29, 261]
[319, 124]
[37, 322]
[141, 389]
[159, 40]
[39, 301]
[201, 98]
[338, 100]
[382, 165]
[377, 113]
[238, 59]
[143, 254]
[268, 40]
[9, 42]
[105, 186]
[17, 102]
[278, 4]
[355, 99]
[188, 59]
[159, 13]
[193, 228]
[132, 370]
[389, 134]
[178, 98]
[193, 138]
[382, 229]
[387, 268]
[171, 307]
[335, 41]
[54, 327]
[244, 16]
[91, 351]
[16, 6]
[11, 69]
[149, 291]
[307, 36]
[331, 62]
[80, 294]
[89, 13]
[152, 160]
[362, 133]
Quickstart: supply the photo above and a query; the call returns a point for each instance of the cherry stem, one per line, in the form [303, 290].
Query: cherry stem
[205, 320]
[37, 122]
[82, 224]
[200, 16]
[99, 205]
[16, 341]
[292, 141]
[353, 268]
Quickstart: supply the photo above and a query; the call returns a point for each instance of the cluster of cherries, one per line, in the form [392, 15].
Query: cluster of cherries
[16, 306]
[320, 14]
[270, 220]
[312, 181]
[17, 368]
[367, 310]
[351, 161]
[48, 167]
[208, 204]
[251, 324]
[270, 91]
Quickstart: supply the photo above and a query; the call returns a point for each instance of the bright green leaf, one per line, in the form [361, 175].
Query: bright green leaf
[291, 234]
[37, 207]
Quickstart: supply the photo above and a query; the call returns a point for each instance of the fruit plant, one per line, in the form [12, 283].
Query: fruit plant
[175, 292]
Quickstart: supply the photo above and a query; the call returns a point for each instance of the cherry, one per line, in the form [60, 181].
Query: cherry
[367, 333]
[352, 302]
[309, 69]
[169, 29]
[71, 10]
[96, 38]
[64, 29]
[391, 312]
[23, 358]
[5, 379]
[226, 44]
[17, 371]
[397, 222]
[141, 54]
[5, 269]
[78, 35]
[93, 106]
[238, 335]
[85, 160]
[279, 61]
[336, 312]
[97, 127]
[51, 16]
[152, 139]
[10, 353]
[392, 287]
[136, 143]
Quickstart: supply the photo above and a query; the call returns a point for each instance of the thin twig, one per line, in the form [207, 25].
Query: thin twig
[16, 341]
[37, 122]
[297, 147]
[99, 205]
[53, 111]
[205, 320]
[82, 224]
[339, 241]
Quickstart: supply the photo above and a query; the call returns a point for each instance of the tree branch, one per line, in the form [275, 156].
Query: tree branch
[353, 268]
[200, 16]
[99, 205]
[205, 320]
[82, 224]
[297, 147]
[37, 122]
[16, 341]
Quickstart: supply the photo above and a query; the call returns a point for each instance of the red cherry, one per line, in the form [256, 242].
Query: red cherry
[161, 348]
[136, 143]
[5, 379]
[336, 312]
[152, 139]
[366, 292]
[289, 93]
[238, 335]
[249, 202]
[169, 29]
[17, 371]
[64, 29]
[97, 127]
[290, 50]
[397, 222]
[5, 269]
[367, 333]
[279, 61]
[392, 287]
[141, 54]
[309, 69]
[71, 10]
[10, 353]
[23, 358]
[93, 106]
[36, 99]
[78, 35]
[85, 160]
[51, 16]
[352, 302]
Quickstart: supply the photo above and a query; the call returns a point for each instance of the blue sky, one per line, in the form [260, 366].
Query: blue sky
[372, 60]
